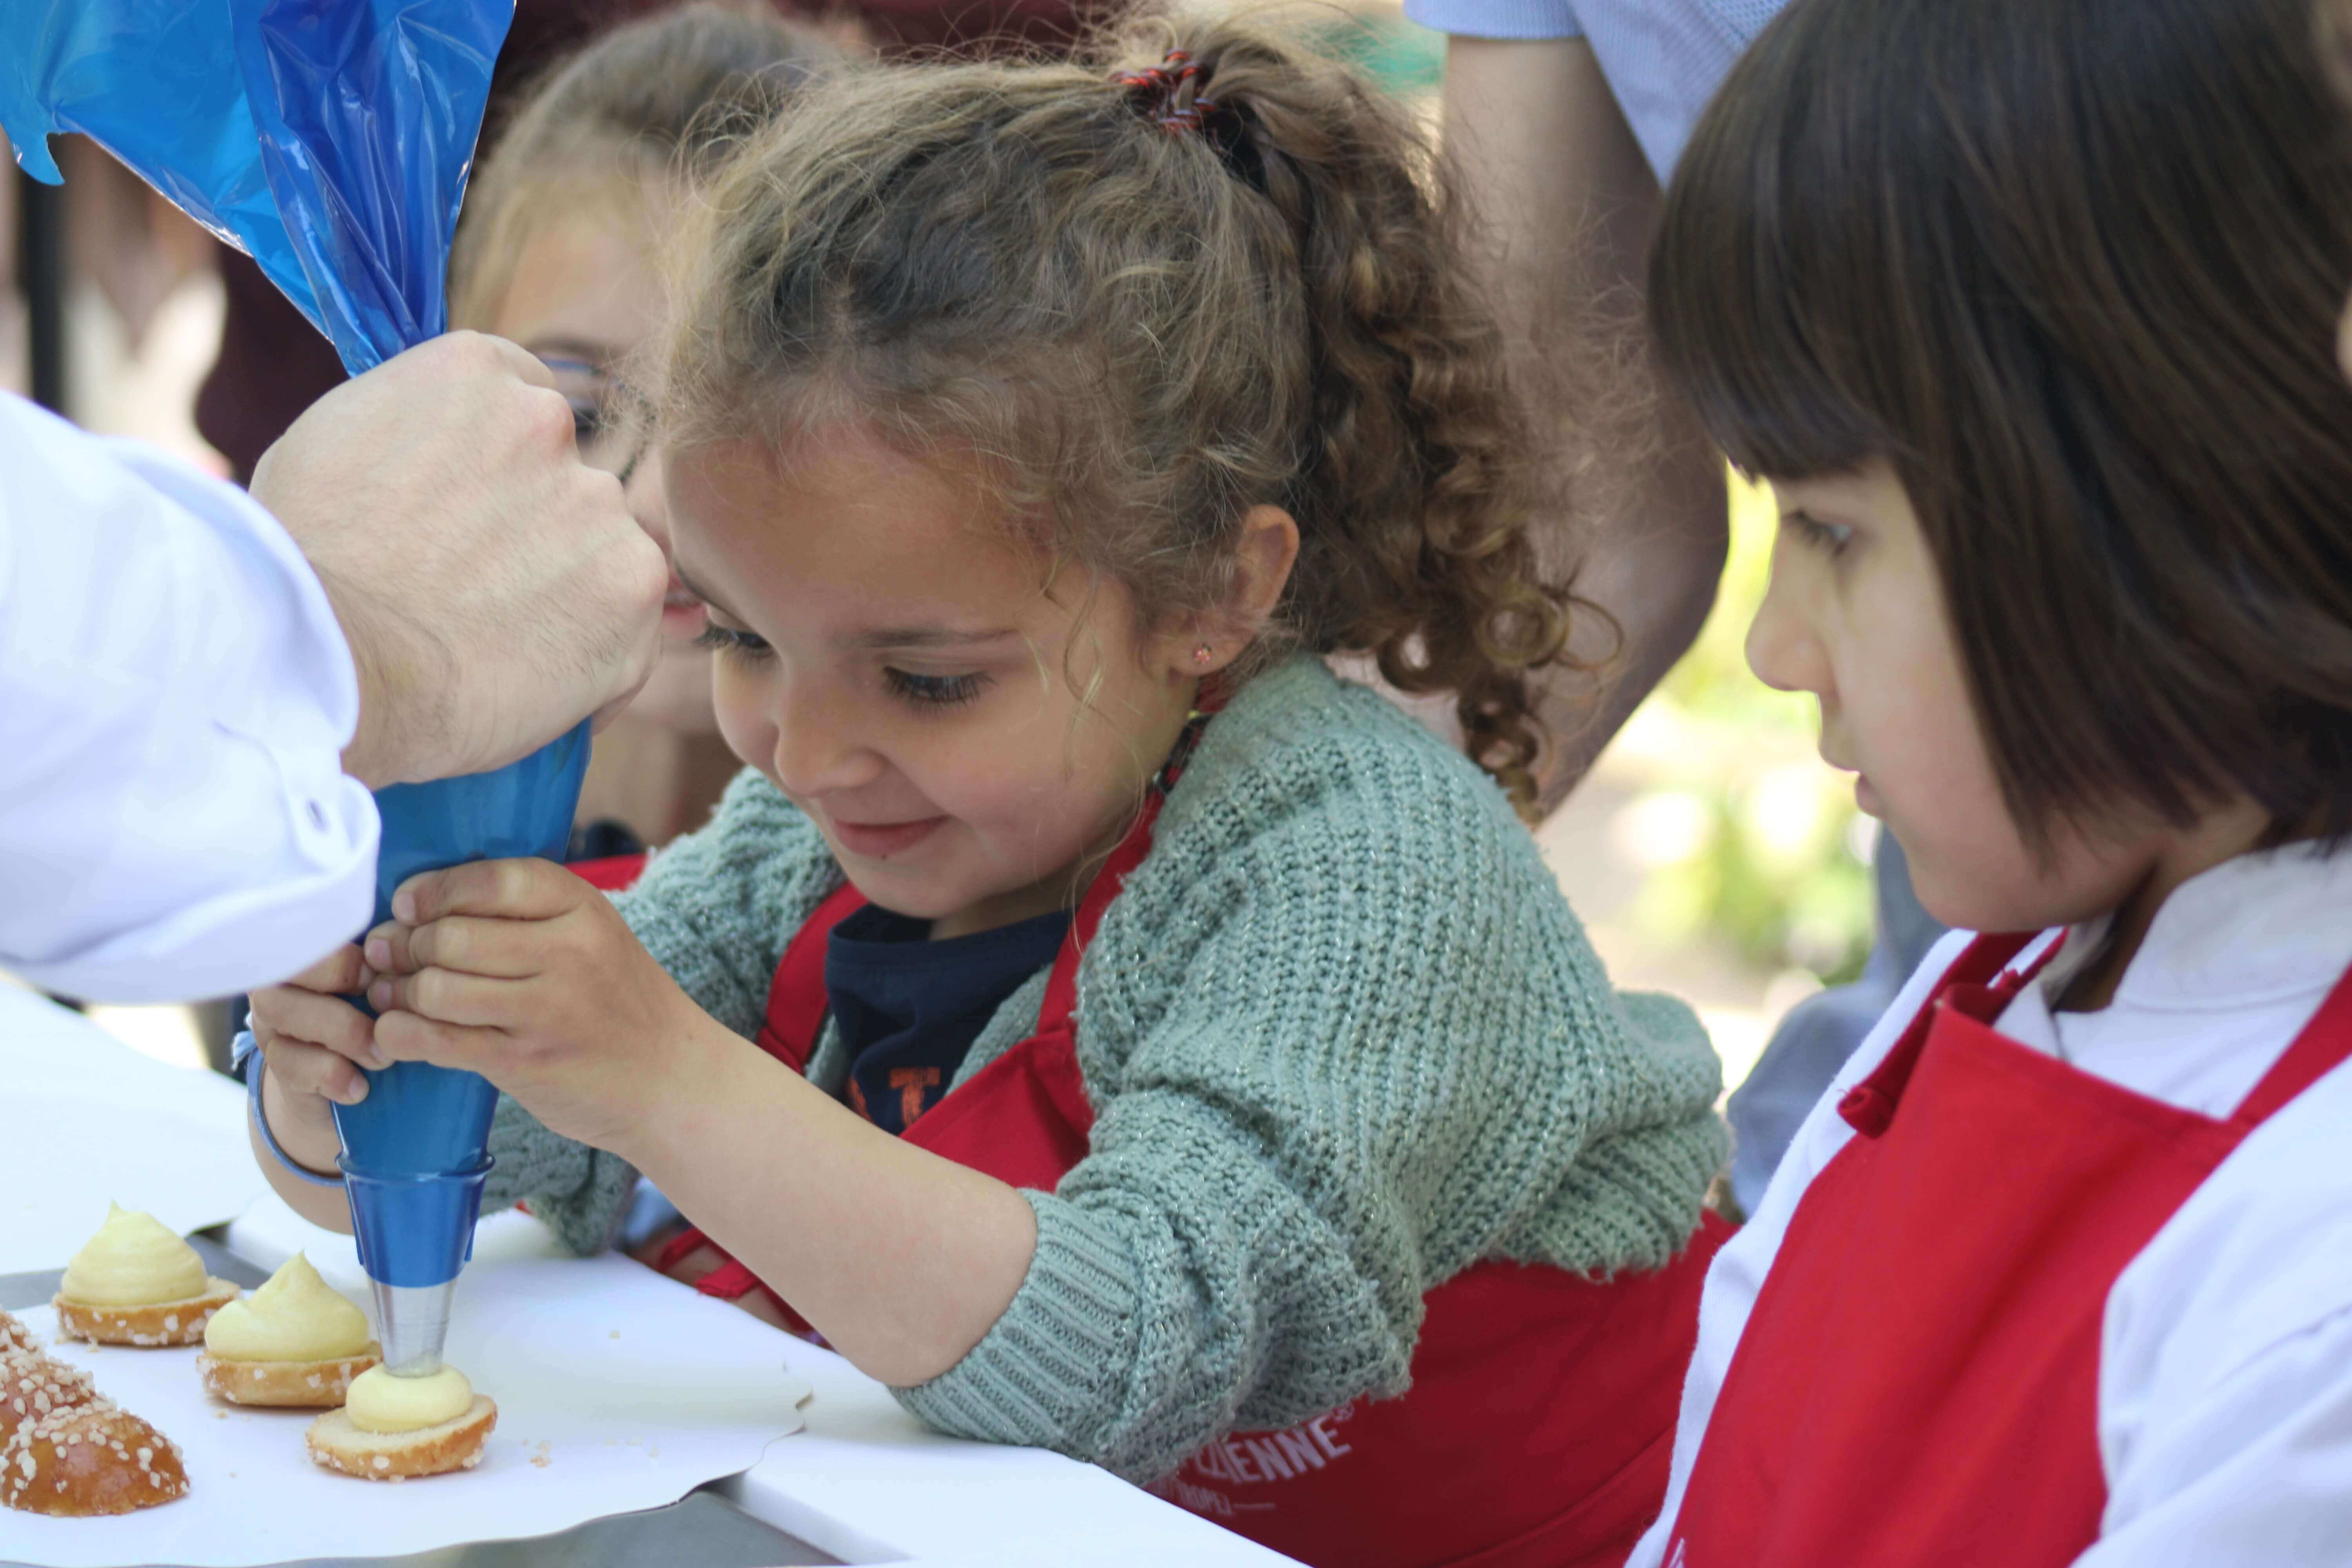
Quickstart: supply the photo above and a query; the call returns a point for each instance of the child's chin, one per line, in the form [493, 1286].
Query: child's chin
[917, 897]
[1964, 902]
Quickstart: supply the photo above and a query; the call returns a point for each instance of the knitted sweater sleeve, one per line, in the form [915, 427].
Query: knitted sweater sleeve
[1343, 1038]
[714, 910]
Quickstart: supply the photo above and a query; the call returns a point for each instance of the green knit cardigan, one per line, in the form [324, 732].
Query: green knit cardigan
[1343, 1038]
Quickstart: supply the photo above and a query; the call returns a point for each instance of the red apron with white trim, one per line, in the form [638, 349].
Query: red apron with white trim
[1539, 1426]
[1917, 1382]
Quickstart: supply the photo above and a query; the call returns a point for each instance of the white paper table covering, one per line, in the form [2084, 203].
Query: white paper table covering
[617, 1390]
[90, 1120]
[866, 1482]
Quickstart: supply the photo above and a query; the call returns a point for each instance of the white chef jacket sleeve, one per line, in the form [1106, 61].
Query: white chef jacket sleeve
[2225, 1371]
[176, 694]
[2262, 1468]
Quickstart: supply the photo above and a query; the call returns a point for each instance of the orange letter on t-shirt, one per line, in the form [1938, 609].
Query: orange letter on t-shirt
[910, 1082]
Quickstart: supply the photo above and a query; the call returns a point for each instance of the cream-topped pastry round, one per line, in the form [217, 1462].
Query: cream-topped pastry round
[393, 1427]
[136, 1283]
[134, 1260]
[379, 1401]
[296, 1340]
[296, 1316]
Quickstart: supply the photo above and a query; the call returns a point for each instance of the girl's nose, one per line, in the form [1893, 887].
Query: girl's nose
[816, 751]
[1783, 647]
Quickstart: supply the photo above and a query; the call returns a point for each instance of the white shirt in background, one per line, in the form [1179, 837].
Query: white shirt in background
[2225, 1361]
[174, 698]
[1663, 59]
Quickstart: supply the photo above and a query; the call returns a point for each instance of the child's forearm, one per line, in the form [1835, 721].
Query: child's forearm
[321, 1205]
[903, 1260]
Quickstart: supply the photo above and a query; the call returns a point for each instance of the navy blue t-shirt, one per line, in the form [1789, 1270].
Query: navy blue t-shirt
[908, 1007]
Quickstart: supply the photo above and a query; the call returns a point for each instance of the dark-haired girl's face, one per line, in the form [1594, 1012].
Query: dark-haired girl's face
[1856, 615]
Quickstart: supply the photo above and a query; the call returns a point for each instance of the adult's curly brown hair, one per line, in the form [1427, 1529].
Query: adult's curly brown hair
[1148, 326]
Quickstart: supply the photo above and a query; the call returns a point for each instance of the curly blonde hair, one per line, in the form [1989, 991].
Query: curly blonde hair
[1151, 304]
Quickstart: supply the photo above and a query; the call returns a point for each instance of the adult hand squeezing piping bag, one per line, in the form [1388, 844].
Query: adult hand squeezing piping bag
[330, 140]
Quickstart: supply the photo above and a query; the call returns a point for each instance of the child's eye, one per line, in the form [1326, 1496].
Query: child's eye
[587, 421]
[934, 690]
[1830, 538]
[735, 644]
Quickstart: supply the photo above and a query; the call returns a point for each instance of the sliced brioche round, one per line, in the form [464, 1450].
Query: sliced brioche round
[87, 1459]
[180, 1322]
[456, 1445]
[288, 1385]
[32, 1386]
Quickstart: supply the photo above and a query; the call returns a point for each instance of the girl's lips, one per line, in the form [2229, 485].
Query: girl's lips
[880, 840]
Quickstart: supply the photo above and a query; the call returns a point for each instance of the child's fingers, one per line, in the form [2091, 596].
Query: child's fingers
[312, 1069]
[445, 996]
[498, 949]
[408, 1037]
[328, 1022]
[343, 972]
[512, 889]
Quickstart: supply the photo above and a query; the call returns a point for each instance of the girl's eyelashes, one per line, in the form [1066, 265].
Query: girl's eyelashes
[735, 644]
[1830, 538]
[587, 420]
[934, 690]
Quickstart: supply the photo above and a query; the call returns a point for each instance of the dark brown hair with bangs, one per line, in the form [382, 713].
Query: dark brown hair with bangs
[2072, 268]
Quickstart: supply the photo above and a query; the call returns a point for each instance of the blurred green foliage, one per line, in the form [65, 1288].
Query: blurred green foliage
[1755, 841]
[1401, 56]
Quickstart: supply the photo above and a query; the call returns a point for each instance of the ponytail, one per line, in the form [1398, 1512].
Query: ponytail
[1207, 272]
[1414, 487]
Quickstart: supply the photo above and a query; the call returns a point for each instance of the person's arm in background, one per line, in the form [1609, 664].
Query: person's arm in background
[1566, 197]
[190, 712]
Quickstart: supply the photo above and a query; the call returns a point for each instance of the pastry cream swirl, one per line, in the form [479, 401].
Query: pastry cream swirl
[295, 1317]
[379, 1401]
[132, 1261]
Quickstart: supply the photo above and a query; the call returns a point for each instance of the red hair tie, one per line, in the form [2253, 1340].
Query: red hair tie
[1167, 95]
[1158, 93]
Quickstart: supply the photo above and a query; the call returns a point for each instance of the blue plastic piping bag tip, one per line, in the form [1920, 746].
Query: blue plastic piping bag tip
[414, 1229]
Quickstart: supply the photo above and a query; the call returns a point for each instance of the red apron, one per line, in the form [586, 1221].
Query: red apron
[1539, 1426]
[610, 873]
[1919, 1380]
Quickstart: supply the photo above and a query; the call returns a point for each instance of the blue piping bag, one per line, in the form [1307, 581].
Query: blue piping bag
[330, 140]
[416, 1149]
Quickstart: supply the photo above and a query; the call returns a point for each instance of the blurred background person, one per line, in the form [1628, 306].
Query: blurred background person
[557, 250]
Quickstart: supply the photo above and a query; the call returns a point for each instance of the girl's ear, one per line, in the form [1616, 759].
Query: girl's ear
[1268, 549]
[1263, 557]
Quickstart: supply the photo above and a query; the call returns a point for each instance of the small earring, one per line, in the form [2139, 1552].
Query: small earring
[1202, 655]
